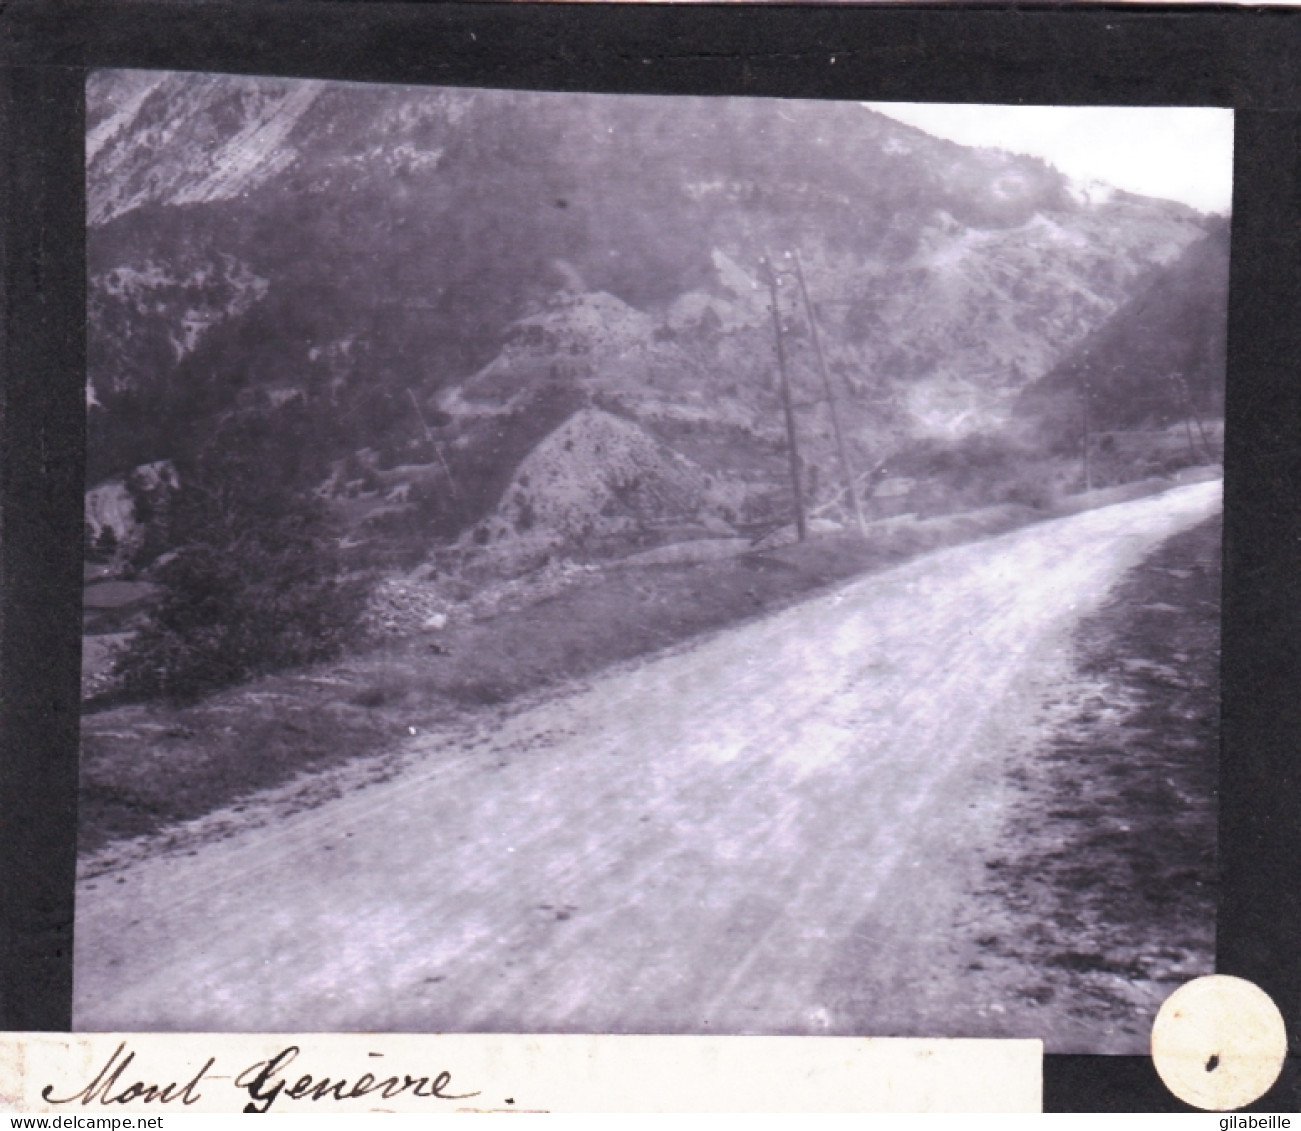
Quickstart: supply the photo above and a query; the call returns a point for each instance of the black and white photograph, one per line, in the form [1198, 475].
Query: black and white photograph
[628, 563]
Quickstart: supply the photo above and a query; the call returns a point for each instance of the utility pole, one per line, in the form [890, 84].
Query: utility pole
[1088, 441]
[845, 466]
[438, 451]
[1182, 393]
[420, 415]
[1181, 386]
[801, 526]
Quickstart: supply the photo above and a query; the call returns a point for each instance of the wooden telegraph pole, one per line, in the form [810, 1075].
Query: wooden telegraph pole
[845, 466]
[1088, 441]
[438, 451]
[1186, 401]
[801, 526]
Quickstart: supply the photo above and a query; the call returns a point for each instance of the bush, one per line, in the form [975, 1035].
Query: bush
[229, 613]
[254, 584]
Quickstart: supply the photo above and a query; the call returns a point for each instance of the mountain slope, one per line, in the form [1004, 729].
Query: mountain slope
[1162, 354]
[438, 279]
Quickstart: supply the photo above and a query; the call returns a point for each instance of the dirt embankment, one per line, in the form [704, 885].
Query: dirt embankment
[1109, 855]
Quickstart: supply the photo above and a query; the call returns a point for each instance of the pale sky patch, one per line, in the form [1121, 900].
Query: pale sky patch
[1174, 153]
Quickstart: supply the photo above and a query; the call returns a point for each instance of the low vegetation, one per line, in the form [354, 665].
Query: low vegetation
[1120, 864]
[255, 586]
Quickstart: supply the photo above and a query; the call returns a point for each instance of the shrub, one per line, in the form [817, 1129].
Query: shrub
[254, 584]
[228, 613]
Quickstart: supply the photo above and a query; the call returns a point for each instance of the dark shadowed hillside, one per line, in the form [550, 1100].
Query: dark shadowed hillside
[1160, 356]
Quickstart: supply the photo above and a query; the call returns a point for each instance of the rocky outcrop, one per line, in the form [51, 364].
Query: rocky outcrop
[121, 513]
[596, 480]
[166, 138]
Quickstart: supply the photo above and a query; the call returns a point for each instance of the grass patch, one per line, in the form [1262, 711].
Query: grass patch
[1122, 856]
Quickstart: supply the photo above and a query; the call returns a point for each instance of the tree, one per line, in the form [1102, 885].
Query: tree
[255, 582]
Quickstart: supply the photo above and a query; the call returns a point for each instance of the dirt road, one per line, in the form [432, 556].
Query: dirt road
[747, 834]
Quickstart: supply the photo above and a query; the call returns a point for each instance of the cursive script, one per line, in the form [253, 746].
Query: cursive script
[102, 1087]
[265, 1084]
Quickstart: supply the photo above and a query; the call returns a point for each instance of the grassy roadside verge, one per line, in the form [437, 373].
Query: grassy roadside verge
[145, 767]
[1110, 854]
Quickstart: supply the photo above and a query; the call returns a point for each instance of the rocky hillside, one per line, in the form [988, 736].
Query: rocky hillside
[543, 321]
